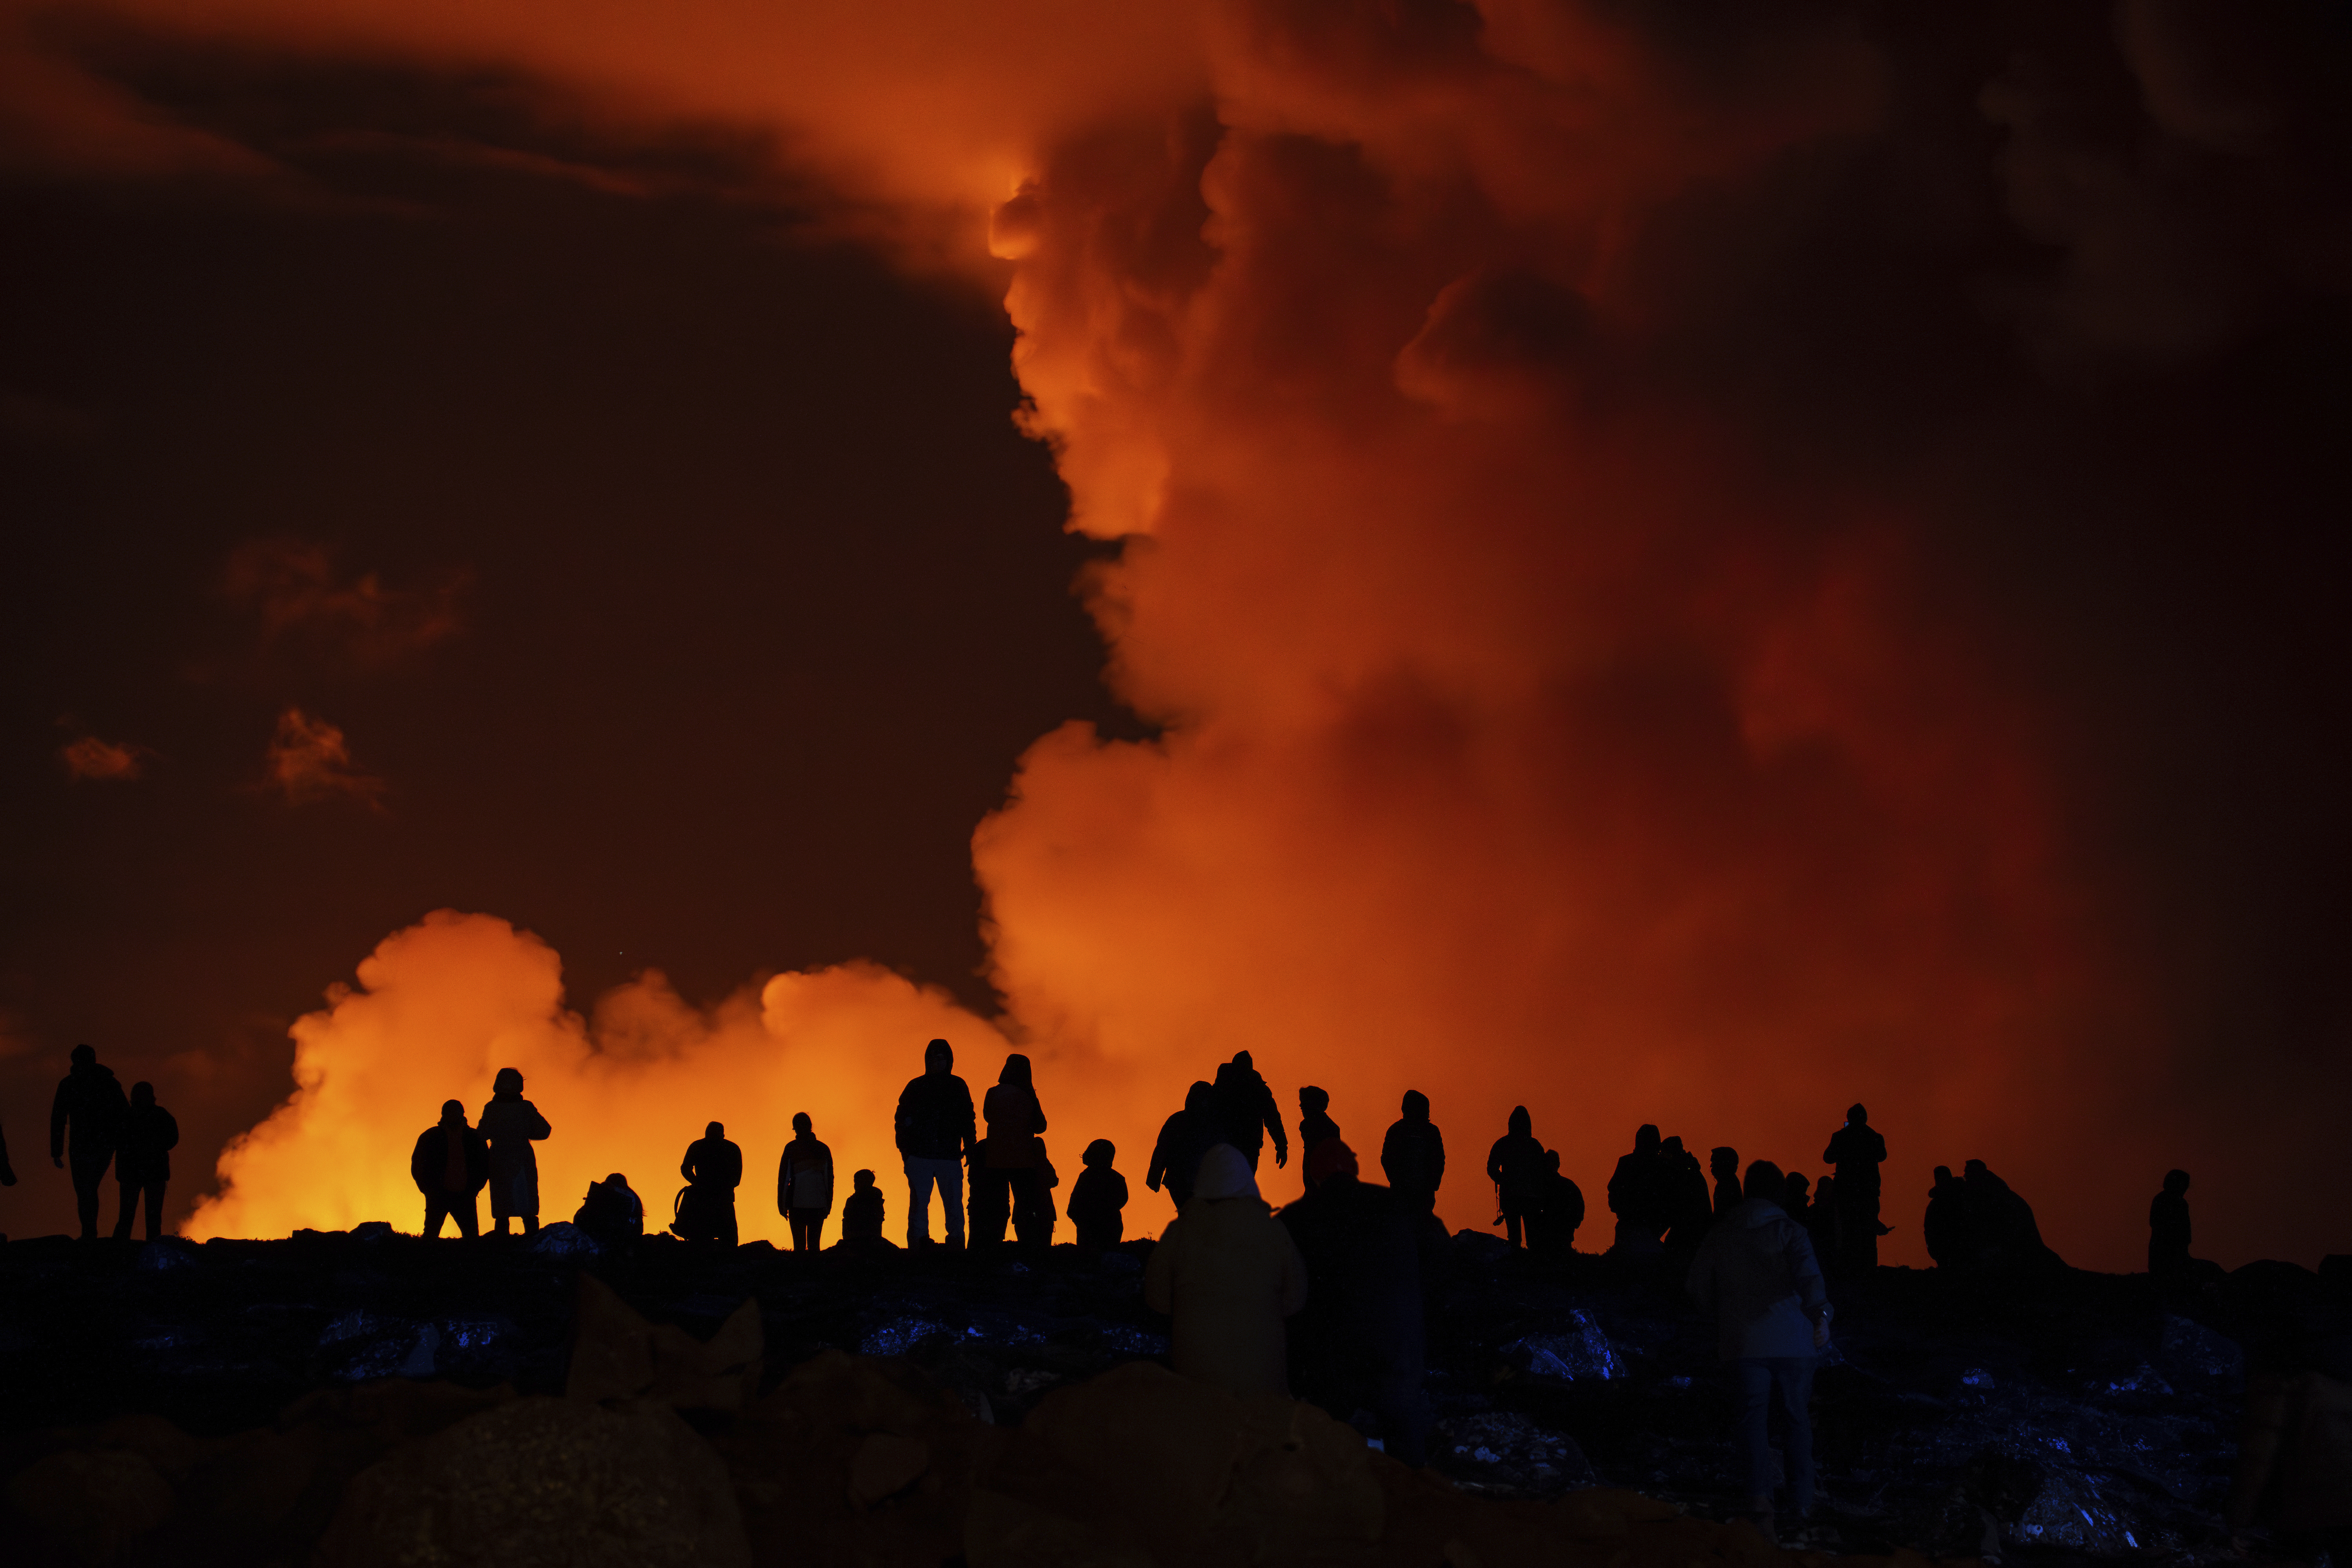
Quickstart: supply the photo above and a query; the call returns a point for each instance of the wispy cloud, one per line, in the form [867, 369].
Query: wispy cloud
[301, 599]
[311, 760]
[111, 761]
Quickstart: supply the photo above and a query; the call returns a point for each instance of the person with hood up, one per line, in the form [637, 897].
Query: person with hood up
[1517, 1167]
[89, 1105]
[612, 1212]
[449, 1166]
[1757, 1275]
[1947, 1229]
[1009, 1172]
[1246, 1111]
[936, 1133]
[861, 1214]
[1359, 1343]
[1228, 1273]
[1412, 1156]
[1689, 1208]
[1183, 1139]
[713, 1169]
[804, 1185]
[511, 1124]
[142, 1163]
[1098, 1199]
[1636, 1192]
[1557, 1214]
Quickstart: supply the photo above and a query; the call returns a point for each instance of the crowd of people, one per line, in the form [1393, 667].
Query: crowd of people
[1322, 1297]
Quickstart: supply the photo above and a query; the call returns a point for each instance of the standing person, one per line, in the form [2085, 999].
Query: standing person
[937, 1133]
[1228, 1272]
[1858, 1150]
[805, 1185]
[449, 1166]
[1008, 1171]
[713, 1169]
[1824, 1221]
[1412, 1155]
[90, 1103]
[1722, 1164]
[142, 1163]
[1360, 1344]
[511, 1124]
[1516, 1165]
[1247, 1113]
[1757, 1275]
[1097, 1199]
[1636, 1196]
[1315, 1123]
[1946, 1226]
[8, 1170]
[2167, 1228]
[1183, 1139]
[1689, 1210]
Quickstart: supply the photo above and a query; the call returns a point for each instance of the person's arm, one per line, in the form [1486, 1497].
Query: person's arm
[1437, 1146]
[419, 1161]
[1038, 1106]
[899, 1118]
[784, 1182]
[1157, 1166]
[971, 1124]
[538, 1128]
[1271, 1114]
[170, 1140]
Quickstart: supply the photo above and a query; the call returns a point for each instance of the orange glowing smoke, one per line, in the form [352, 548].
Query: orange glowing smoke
[1531, 736]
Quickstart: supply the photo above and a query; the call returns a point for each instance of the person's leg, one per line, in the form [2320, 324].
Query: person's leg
[922, 1176]
[952, 1203]
[467, 1213]
[1511, 1228]
[816, 1230]
[531, 1225]
[1795, 1376]
[728, 1233]
[86, 1180]
[130, 1206]
[991, 1198]
[799, 1227]
[155, 1210]
[434, 1211]
[1752, 1387]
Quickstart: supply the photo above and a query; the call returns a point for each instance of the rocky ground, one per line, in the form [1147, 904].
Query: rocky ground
[258, 1401]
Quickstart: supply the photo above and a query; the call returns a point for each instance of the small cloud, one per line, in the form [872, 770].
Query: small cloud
[311, 760]
[113, 761]
[301, 598]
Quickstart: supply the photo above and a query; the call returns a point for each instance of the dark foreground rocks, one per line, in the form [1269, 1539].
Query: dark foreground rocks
[371, 1399]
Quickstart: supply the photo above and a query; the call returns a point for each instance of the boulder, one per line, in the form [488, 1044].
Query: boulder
[617, 1355]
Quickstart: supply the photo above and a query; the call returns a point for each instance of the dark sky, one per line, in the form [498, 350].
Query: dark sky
[718, 592]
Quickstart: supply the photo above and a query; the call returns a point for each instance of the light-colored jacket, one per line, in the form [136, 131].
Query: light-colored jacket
[1756, 1273]
[1228, 1272]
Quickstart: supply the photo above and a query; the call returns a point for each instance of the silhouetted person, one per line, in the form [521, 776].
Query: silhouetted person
[612, 1212]
[1858, 1150]
[861, 1214]
[143, 1163]
[1757, 1275]
[1689, 1210]
[1315, 1123]
[1559, 1212]
[449, 1166]
[937, 1133]
[1008, 1172]
[8, 1170]
[1183, 1139]
[1824, 1224]
[89, 1105]
[713, 1169]
[1228, 1273]
[1358, 1343]
[2002, 1227]
[2167, 1228]
[1516, 1165]
[804, 1185]
[1097, 1198]
[1246, 1111]
[1722, 1164]
[512, 1124]
[1800, 1202]
[1636, 1195]
[1946, 1227]
[1412, 1155]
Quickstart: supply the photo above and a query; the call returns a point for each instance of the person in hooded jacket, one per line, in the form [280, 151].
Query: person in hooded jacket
[1636, 1195]
[1412, 1155]
[1558, 1213]
[804, 1185]
[1246, 1111]
[1098, 1198]
[713, 1169]
[1689, 1207]
[861, 1214]
[511, 1124]
[1722, 1164]
[1183, 1139]
[143, 1163]
[1947, 1229]
[1757, 1275]
[1228, 1273]
[612, 1212]
[1315, 1123]
[1009, 1171]
[1358, 1343]
[89, 1105]
[936, 1133]
[2167, 1229]
[449, 1166]
[1516, 1165]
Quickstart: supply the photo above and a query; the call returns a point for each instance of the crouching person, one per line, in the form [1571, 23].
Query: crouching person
[1757, 1275]
[612, 1212]
[1229, 1274]
[450, 1165]
[861, 1214]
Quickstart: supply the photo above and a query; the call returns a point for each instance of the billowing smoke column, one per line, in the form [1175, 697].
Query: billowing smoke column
[1563, 699]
